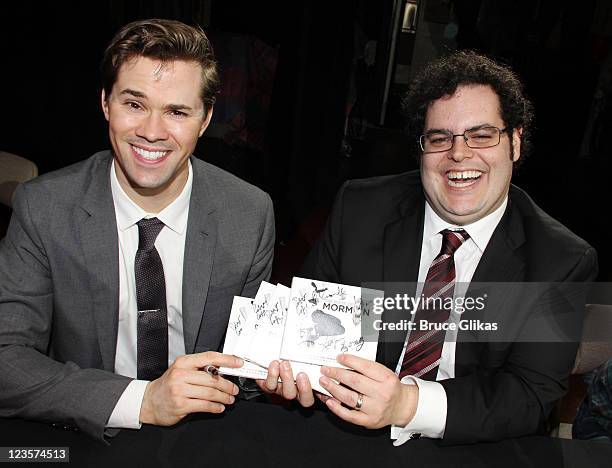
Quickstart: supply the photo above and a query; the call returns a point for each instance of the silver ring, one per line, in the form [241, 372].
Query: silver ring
[359, 401]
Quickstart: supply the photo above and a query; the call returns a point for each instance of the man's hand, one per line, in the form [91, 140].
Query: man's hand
[184, 389]
[385, 399]
[288, 388]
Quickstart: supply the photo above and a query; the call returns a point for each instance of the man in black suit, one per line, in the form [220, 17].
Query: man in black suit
[458, 218]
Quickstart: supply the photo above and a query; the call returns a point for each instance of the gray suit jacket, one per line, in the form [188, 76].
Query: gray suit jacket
[59, 285]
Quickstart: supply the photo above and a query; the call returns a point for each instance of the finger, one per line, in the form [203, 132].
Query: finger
[286, 375]
[261, 383]
[203, 379]
[340, 393]
[323, 397]
[209, 394]
[194, 405]
[304, 389]
[264, 387]
[351, 379]
[272, 377]
[352, 416]
[201, 360]
[371, 369]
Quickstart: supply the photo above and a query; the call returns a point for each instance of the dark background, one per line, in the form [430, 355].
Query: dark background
[315, 74]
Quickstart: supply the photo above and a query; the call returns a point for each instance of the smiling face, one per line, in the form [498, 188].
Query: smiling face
[155, 115]
[463, 185]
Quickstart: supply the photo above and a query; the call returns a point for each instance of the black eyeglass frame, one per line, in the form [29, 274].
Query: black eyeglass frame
[465, 138]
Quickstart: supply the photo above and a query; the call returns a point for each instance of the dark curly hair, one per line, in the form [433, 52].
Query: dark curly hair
[442, 77]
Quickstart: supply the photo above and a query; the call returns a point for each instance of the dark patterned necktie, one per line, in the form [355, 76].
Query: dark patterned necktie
[152, 327]
[422, 356]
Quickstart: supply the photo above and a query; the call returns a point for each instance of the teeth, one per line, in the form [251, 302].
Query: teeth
[464, 174]
[463, 178]
[152, 155]
[456, 183]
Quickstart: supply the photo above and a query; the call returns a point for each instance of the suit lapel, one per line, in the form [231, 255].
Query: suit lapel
[99, 244]
[500, 263]
[199, 255]
[401, 258]
[402, 247]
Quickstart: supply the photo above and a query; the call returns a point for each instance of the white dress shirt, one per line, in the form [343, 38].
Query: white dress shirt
[430, 416]
[170, 244]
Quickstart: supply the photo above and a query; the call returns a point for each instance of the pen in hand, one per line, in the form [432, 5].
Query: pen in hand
[211, 370]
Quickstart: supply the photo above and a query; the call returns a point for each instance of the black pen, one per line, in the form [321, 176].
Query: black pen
[211, 370]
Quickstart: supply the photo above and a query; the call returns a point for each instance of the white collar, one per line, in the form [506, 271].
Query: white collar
[480, 231]
[128, 213]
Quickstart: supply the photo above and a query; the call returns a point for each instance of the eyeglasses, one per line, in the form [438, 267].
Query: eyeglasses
[483, 137]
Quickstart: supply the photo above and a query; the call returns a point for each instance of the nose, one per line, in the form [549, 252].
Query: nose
[152, 128]
[460, 149]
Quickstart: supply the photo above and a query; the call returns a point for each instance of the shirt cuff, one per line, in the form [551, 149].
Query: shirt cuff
[430, 417]
[126, 414]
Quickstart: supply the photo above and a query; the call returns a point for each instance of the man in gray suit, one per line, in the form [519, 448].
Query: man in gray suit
[117, 274]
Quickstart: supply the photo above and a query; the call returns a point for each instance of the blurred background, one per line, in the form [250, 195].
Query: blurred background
[312, 91]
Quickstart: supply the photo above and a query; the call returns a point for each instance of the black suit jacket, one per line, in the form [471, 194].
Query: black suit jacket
[506, 382]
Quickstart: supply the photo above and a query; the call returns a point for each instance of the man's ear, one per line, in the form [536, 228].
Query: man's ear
[206, 121]
[516, 143]
[104, 103]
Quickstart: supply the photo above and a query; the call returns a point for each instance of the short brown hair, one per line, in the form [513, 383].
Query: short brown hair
[165, 40]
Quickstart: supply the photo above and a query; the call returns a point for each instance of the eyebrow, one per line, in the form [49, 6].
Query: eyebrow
[178, 107]
[446, 130]
[139, 94]
[134, 93]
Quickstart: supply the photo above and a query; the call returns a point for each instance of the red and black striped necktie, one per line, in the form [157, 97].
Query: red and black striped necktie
[422, 356]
